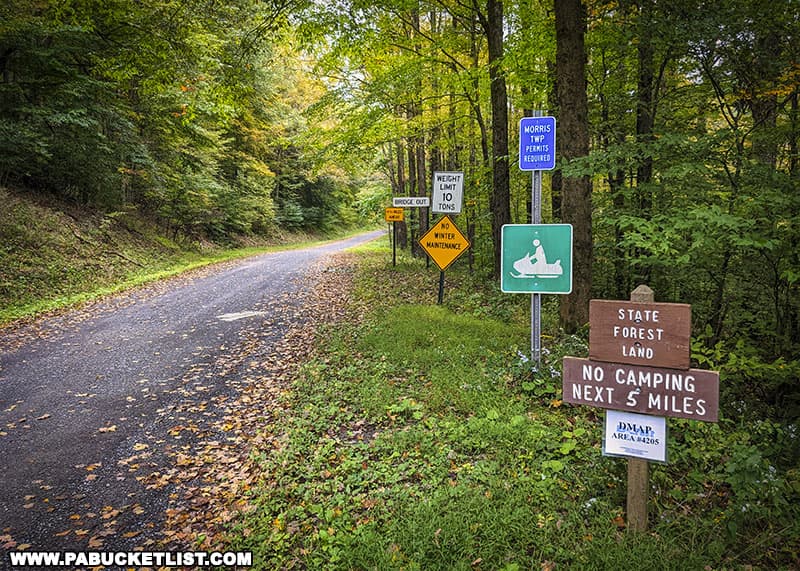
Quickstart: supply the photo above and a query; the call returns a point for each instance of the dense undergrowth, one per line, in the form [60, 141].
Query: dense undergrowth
[420, 437]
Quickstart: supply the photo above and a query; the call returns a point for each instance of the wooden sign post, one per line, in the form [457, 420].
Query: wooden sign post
[639, 356]
[638, 469]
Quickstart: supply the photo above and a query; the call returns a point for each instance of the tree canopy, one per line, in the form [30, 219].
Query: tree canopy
[194, 114]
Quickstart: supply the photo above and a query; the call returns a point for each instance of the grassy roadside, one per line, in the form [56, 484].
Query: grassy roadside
[55, 257]
[419, 438]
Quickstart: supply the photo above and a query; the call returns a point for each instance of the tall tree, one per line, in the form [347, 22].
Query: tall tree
[573, 143]
[500, 200]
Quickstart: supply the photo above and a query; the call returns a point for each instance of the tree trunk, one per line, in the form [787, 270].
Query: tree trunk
[422, 184]
[402, 230]
[500, 201]
[794, 135]
[412, 191]
[644, 110]
[573, 142]
[616, 185]
[555, 178]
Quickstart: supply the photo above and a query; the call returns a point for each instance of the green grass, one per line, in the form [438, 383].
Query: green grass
[421, 439]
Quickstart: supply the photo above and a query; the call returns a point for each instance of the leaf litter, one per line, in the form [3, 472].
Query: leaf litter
[198, 450]
[212, 474]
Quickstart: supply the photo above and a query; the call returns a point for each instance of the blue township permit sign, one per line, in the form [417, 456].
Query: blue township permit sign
[537, 143]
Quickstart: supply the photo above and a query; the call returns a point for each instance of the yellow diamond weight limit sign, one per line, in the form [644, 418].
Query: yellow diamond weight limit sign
[444, 242]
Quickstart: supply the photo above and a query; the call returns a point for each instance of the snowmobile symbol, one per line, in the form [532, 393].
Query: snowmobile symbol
[536, 266]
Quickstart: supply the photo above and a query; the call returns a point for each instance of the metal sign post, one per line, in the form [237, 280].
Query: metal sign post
[394, 215]
[536, 298]
[444, 243]
[537, 136]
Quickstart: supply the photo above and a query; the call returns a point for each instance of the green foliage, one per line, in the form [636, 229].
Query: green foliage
[178, 110]
[50, 259]
[412, 442]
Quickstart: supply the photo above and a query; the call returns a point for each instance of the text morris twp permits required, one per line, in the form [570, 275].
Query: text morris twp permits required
[537, 143]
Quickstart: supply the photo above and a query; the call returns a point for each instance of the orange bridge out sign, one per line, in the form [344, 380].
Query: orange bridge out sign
[393, 214]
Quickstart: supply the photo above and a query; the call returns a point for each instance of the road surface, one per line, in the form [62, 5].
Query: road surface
[95, 403]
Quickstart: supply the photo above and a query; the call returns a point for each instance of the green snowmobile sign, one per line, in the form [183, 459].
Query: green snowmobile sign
[537, 258]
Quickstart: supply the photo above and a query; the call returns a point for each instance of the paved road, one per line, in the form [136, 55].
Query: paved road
[86, 397]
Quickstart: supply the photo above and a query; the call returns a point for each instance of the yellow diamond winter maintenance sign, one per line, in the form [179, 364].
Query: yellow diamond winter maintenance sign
[444, 242]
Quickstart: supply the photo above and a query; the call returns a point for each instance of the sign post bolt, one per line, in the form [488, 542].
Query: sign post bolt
[638, 470]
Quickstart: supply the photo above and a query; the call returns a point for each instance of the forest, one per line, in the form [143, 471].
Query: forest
[677, 136]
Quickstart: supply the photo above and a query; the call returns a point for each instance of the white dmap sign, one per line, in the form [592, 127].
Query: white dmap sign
[635, 436]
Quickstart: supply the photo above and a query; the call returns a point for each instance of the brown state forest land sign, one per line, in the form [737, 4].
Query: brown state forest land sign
[650, 334]
[639, 357]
